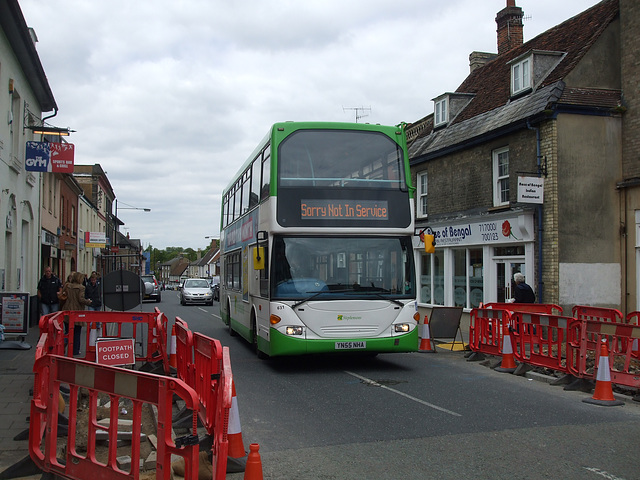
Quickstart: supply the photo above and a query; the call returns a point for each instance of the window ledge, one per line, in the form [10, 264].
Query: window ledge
[501, 208]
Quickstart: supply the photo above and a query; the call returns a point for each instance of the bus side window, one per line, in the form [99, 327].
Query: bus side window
[266, 176]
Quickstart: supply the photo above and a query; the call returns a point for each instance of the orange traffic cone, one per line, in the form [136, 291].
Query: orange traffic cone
[254, 464]
[173, 360]
[91, 348]
[425, 337]
[508, 364]
[234, 431]
[603, 394]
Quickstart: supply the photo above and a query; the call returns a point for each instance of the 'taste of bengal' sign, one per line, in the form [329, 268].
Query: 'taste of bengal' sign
[115, 351]
[344, 209]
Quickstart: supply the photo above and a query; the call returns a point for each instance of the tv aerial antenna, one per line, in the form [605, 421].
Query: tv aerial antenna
[358, 111]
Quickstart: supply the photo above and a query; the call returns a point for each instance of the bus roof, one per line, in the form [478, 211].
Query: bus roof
[291, 126]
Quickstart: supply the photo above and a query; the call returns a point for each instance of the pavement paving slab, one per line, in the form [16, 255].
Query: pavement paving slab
[16, 385]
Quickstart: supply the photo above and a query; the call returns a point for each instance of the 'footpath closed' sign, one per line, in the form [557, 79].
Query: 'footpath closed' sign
[118, 351]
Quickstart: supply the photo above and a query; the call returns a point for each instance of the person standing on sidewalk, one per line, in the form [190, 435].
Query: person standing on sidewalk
[76, 301]
[522, 292]
[93, 293]
[48, 288]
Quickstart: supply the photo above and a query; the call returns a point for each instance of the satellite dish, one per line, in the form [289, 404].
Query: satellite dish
[122, 290]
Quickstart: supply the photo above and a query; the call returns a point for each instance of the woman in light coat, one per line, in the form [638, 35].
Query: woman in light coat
[76, 301]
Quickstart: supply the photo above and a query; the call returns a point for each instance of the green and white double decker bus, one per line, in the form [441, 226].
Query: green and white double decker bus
[316, 242]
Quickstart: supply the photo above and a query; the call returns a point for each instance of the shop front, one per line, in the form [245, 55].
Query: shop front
[475, 259]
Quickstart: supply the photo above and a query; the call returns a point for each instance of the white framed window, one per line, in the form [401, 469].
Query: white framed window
[441, 111]
[422, 185]
[501, 176]
[521, 76]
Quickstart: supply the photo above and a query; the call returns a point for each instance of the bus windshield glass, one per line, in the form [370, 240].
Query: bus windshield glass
[340, 158]
[342, 268]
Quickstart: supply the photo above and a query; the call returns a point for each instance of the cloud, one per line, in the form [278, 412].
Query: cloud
[171, 97]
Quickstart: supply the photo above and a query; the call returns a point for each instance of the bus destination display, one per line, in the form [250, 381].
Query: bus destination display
[344, 209]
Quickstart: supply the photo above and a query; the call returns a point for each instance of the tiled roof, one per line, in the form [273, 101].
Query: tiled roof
[179, 268]
[492, 106]
[591, 97]
[493, 120]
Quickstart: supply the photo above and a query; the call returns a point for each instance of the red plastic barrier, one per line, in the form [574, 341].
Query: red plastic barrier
[204, 372]
[584, 312]
[207, 353]
[549, 308]
[586, 338]
[224, 397]
[52, 326]
[184, 351]
[206, 367]
[541, 339]
[117, 383]
[148, 329]
[597, 314]
[633, 318]
[485, 330]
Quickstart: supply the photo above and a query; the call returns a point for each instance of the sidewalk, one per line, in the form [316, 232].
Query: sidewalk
[16, 382]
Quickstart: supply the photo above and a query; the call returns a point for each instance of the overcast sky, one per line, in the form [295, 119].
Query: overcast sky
[171, 97]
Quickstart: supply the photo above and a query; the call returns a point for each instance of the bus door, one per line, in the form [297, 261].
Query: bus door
[259, 288]
[254, 274]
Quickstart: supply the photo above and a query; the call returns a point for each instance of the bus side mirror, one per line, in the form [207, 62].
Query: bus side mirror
[258, 258]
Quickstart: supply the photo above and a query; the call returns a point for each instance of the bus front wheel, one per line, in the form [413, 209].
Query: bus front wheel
[254, 340]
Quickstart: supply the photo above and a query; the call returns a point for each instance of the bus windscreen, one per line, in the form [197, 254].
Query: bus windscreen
[340, 158]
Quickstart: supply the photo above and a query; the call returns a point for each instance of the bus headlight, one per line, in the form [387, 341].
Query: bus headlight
[402, 327]
[294, 330]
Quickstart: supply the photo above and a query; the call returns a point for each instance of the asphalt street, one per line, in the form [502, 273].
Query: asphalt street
[393, 416]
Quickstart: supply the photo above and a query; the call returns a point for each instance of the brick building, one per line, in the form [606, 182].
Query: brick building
[531, 165]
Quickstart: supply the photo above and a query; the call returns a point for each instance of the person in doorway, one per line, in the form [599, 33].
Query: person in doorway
[76, 301]
[522, 293]
[48, 288]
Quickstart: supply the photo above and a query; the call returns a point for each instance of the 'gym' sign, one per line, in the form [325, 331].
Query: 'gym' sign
[49, 157]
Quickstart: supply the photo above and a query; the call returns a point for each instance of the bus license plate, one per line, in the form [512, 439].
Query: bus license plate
[350, 345]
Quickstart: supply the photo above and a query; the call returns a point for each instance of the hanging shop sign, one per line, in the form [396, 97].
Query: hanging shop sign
[530, 190]
[95, 240]
[49, 157]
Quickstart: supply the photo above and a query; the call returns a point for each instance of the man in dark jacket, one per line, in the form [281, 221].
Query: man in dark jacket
[48, 288]
[92, 292]
[522, 292]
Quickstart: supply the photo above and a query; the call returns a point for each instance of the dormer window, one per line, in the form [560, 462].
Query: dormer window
[441, 111]
[521, 76]
[447, 106]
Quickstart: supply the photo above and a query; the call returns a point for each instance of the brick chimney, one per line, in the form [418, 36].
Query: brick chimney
[509, 22]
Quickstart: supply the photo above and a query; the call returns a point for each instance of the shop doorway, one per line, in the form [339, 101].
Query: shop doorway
[505, 270]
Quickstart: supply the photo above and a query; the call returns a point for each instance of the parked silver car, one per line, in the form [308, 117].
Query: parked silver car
[151, 288]
[196, 290]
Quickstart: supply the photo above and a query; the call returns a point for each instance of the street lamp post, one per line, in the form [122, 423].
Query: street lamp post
[129, 207]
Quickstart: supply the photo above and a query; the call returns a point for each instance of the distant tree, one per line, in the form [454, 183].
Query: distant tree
[162, 256]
